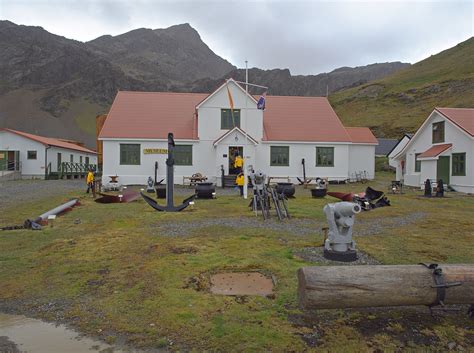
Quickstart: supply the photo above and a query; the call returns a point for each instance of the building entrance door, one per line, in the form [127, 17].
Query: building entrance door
[3, 160]
[233, 152]
[59, 162]
[13, 160]
[442, 169]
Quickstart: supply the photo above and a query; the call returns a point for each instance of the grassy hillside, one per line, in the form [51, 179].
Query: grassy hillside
[400, 102]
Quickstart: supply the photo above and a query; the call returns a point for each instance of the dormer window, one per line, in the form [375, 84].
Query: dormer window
[230, 119]
[438, 132]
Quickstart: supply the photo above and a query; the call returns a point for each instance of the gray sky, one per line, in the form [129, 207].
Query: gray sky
[308, 37]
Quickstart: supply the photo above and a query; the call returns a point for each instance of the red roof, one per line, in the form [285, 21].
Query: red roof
[435, 150]
[462, 117]
[152, 115]
[49, 141]
[286, 118]
[361, 135]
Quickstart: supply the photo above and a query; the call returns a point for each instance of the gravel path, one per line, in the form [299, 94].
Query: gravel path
[366, 227]
[14, 192]
[293, 226]
[188, 190]
[316, 255]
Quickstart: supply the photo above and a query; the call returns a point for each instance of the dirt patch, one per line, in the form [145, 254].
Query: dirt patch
[409, 326]
[7, 346]
[183, 250]
[316, 255]
[198, 283]
[241, 283]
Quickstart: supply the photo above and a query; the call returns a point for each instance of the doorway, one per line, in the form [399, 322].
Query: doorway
[442, 169]
[13, 160]
[59, 161]
[233, 152]
[3, 160]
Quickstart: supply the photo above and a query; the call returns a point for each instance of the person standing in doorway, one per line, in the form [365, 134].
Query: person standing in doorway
[238, 163]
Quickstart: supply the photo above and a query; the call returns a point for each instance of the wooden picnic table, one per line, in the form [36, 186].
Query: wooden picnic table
[270, 178]
[194, 179]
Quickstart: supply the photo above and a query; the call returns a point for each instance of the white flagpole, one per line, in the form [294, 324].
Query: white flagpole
[245, 130]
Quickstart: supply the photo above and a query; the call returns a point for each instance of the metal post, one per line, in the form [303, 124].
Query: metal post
[170, 172]
[245, 130]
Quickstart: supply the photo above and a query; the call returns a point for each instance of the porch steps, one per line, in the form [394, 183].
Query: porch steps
[229, 180]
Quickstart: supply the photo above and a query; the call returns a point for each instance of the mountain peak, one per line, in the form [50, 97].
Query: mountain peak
[182, 31]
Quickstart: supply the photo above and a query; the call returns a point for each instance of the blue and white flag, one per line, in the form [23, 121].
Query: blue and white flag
[261, 101]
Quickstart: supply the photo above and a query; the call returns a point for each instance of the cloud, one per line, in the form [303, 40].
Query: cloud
[308, 37]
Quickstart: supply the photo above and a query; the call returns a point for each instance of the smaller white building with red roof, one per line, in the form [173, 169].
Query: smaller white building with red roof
[37, 156]
[208, 133]
[442, 148]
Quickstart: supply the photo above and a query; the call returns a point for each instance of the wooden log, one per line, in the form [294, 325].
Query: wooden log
[337, 287]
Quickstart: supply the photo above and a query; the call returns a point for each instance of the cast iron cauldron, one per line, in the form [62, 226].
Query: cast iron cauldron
[160, 191]
[205, 190]
[286, 188]
[317, 193]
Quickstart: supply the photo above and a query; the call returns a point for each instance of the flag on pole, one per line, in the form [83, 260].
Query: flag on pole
[231, 101]
[261, 101]
[231, 104]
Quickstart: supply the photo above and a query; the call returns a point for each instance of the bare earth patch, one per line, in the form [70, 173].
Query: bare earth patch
[241, 283]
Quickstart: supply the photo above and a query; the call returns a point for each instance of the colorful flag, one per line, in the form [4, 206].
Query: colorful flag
[231, 101]
[261, 101]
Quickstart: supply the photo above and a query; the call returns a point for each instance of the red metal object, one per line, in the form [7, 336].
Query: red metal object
[126, 196]
[344, 196]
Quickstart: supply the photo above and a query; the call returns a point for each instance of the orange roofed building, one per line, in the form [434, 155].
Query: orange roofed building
[209, 134]
[38, 157]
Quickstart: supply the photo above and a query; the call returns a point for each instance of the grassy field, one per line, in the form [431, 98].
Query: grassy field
[402, 101]
[132, 275]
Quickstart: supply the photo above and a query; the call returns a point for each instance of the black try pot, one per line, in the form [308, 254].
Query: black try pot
[317, 193]
[161, 191]
[205, 190]
[286, 188]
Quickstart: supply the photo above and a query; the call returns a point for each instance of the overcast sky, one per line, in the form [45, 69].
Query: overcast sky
[308, 37]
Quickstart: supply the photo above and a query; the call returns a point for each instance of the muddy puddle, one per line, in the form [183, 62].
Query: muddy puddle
[19, 334]
[241, 283]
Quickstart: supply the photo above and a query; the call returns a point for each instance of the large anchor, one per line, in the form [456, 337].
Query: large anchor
[170, 207]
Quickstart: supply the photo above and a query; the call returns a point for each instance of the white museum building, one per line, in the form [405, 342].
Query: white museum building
[208, 132]
[442, 148]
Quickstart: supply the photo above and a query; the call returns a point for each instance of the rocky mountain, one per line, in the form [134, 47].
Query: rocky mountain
[400, 102]
[281, 82]
[55, 86]
[176, 54]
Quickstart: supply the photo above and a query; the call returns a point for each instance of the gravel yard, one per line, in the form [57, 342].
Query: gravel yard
[296, 226]
[17, 191]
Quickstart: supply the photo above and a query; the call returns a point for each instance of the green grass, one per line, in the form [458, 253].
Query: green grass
[407, 97]
[118, 272]
[84, 114]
